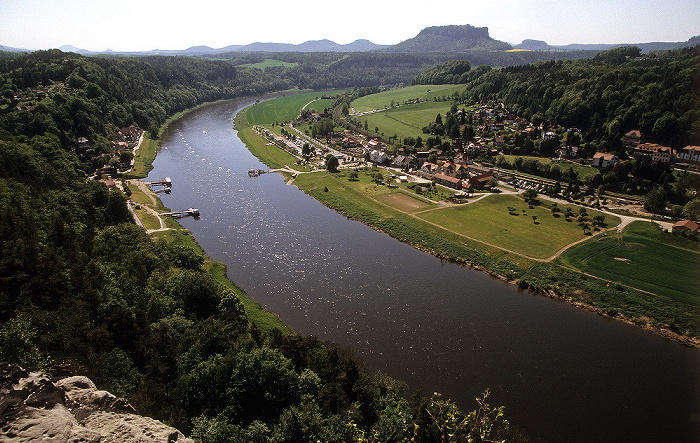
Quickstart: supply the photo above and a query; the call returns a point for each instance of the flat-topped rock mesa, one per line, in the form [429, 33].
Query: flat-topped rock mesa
[35, 408]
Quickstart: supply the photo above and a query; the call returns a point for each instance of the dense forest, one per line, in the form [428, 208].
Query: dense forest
[83, 290]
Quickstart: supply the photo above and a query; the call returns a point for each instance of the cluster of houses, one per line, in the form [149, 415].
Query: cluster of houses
[126, 140]
[633, 141]
[460, 173]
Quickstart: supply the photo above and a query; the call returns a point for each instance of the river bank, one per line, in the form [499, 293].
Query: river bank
[604, 297]
[562, 373]
[173, 232]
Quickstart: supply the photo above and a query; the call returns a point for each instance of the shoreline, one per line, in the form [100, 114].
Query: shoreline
[663, 332]
[529, 278]
[174, 232]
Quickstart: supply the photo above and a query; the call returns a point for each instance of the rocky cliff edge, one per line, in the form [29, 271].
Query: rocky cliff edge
[35, 408]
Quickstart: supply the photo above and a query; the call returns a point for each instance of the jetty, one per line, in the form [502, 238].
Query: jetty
[256, 172]
[165, 182]
[191, 211]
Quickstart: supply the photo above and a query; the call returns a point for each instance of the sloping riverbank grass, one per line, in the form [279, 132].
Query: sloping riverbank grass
[271, 155]
[143, 160]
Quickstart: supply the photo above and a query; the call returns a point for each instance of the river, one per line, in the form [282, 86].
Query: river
[563, 374]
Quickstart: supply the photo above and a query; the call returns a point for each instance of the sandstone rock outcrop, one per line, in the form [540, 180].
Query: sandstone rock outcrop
[35, 408]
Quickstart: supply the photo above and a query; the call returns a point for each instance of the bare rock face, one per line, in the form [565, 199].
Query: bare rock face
[34, 408]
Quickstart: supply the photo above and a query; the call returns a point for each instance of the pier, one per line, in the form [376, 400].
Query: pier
[191, 211]
[256, 172]
[165, 182]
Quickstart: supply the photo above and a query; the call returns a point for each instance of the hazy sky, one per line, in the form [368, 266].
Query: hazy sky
[140, 25]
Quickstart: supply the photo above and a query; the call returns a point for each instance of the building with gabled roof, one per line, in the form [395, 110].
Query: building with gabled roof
[685, 226]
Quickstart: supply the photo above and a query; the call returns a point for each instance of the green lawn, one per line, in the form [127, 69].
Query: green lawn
[272, 156]
[405, 120]
[269, 62]
[400, 95]
[321, 104]
[488, 220]
[643, 257]
[281, 109]
[143, 160]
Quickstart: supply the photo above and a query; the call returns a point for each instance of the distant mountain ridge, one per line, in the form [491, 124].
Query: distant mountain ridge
[433, 39]
[325, 45]
[539, 45]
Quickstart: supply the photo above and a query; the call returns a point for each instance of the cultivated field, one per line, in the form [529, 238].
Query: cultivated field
[399, 96]
[643, 257]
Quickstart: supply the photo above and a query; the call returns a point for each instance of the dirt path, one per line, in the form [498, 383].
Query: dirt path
[143, 187]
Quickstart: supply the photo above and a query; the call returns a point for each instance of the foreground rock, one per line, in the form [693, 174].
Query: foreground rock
[34, 408]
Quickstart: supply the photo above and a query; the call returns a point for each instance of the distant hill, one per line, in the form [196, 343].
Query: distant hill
[539, 45]
[533, 45]
[11, 49]
[452, 38]
[325, 45]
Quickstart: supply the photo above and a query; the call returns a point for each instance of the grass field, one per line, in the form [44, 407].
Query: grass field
[281, 109]
[144, 158]
[488, 220]
[269, 62]
[643, 257]
[272, 156]
[400, 95]
[581, 170]
[321, 104]
[406, 120]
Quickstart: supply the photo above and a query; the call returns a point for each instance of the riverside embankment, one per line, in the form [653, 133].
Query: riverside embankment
[563, 374]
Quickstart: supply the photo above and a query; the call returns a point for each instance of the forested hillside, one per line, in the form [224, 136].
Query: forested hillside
[83, 290]
[605, 97]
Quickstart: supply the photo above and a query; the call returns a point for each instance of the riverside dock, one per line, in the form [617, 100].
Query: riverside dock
[191, 211]
[165, 182]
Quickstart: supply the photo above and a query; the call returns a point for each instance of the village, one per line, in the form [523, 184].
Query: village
[466, 167]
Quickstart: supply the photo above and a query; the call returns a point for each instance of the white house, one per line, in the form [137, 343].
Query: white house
[378, 156]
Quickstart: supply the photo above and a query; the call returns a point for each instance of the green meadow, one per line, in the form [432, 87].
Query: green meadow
[269, 62]
[644, 257]
[406, 121]
[399, 96]
[490, 221]
[281, 109]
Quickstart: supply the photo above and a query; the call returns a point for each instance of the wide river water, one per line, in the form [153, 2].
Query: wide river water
[563, 374]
